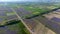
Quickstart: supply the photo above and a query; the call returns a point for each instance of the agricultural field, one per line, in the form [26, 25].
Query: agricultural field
[13, 26]
[25, 11]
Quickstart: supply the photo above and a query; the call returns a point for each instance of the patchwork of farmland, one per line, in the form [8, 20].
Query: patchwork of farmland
[53, 16]
[31, 15]
[6, 15]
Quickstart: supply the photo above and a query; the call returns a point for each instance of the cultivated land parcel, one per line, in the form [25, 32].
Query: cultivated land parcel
[30, 13]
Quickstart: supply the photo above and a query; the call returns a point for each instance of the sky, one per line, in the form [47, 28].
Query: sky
[16, 0]
[30, 0]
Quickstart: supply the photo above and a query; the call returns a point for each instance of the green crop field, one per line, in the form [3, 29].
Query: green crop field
[22, 29]
[18, 24]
